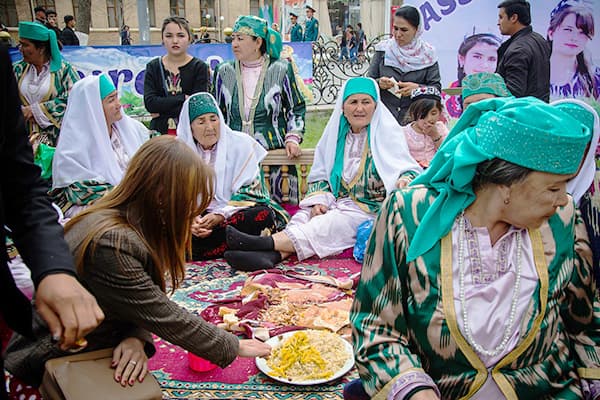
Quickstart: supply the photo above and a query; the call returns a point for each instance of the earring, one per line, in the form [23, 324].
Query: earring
[506, 201]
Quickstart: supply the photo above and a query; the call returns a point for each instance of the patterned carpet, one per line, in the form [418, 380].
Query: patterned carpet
[212, 281]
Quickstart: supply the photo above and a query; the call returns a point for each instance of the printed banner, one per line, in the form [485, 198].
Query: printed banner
[126, 65]
[466, 37]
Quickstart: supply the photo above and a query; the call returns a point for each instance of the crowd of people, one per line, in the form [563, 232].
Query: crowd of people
[480, 274]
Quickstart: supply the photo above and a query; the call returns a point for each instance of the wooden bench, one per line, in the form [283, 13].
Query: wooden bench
[278, 157]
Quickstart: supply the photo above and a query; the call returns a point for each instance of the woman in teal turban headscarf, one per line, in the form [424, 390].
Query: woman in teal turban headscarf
[258, 95]
[477, 282]
[44, 80]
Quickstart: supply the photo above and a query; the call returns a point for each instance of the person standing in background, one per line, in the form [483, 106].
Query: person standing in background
[40, 15]
[311, 30]
[68, 36]
[125, 36]
[524, 59]
[362, 40]
[51, 22]
[172, 78]
[295, 29]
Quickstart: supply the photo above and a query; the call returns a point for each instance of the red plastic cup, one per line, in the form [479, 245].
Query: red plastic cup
[199, 364]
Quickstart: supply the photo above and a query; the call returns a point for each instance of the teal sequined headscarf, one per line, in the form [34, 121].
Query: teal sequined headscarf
[258, 27]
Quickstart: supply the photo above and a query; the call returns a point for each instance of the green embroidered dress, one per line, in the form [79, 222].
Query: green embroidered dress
[276, 113]
[404, 320]
[53, 103]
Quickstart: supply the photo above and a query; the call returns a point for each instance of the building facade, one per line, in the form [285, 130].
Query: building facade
[108, 16]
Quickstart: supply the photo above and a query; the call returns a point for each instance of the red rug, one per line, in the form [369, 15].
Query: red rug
[214, 281]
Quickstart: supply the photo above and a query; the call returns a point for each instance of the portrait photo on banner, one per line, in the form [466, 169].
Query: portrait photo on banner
[466, 38]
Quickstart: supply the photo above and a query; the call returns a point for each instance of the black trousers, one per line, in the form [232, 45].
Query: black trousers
[252, 220]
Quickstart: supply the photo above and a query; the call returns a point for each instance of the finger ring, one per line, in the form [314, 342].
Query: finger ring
[133, 362]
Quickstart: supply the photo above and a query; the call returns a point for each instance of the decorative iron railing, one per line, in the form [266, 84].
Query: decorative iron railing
[330, 71]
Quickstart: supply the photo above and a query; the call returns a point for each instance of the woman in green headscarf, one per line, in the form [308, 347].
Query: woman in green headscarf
[477, 281]
[44, 80]
[258, 95]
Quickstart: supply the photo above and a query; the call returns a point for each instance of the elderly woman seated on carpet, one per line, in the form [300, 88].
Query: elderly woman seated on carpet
[126, 245]
[361, 157]
[241, 197]
[477, 281]
[97, 140]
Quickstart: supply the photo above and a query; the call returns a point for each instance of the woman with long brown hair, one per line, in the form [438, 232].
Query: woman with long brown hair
[126, 246]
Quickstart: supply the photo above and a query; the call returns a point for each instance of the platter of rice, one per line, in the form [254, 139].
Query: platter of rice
[308, 357]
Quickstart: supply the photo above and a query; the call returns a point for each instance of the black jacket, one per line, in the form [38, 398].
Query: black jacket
[68, 37]
[24, 208]
[524, 63]
[195, 77]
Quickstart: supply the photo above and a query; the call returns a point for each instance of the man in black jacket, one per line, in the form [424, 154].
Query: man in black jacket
[70, 311]
[68, 36]
[524, 59]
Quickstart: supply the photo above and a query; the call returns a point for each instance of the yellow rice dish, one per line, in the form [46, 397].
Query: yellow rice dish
[308, 355]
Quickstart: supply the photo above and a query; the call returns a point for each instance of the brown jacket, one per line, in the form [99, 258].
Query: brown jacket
[120, 278]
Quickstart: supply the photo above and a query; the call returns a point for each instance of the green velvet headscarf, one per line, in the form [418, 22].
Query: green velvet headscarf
[37, 31]
[524, 131]
[258, 27]
[353, 86]
[200, 104]
[484, 82]
[106, 86]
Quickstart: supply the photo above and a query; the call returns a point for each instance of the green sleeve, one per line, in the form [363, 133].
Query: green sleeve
[379, 328]
[293, 101]
[55, 108]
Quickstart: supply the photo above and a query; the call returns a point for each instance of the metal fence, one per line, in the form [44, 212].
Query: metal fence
[330, 71]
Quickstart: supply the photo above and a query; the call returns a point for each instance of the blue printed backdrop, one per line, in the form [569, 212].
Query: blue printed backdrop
[126, 65]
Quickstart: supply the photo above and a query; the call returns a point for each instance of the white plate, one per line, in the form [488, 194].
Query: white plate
[275, 341]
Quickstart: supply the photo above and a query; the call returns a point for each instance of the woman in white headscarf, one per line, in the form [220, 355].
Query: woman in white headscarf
[360, 158]
[404, 62]
[97, 140]
[241, 198]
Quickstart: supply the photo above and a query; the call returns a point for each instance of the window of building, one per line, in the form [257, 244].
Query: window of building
[8, 13]
[151, 13]
[47, 4]
[178, 8]
[207, 13]
[114, 9]
[254, 7]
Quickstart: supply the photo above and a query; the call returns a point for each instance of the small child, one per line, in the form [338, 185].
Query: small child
[425, 132]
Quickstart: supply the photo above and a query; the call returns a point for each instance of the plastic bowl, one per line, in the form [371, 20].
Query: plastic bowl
[199, 364]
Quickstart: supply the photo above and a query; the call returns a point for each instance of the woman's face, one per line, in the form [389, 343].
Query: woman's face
[482, 57]
[31, 54]
[536, 199]
[245, 47]
[404, 32]
[567, 39]
[175, 39]
[112, 108]
[206, 130]
[358, 110]
[427, 123]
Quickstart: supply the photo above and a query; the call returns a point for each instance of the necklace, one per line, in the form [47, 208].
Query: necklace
[463, 301]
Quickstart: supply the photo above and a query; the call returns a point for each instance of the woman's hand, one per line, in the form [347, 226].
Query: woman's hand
[427, 394]
[293, 150]
[202, 226]
[318, 209]
[130, 361]
[253, 348]
[27, 113]
[405, 88]
[403, 182]
[386, 83]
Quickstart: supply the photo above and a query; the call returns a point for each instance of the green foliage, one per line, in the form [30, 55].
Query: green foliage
[315, 124]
